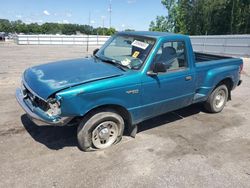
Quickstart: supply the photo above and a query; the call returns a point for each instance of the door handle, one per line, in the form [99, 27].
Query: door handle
[188, 78]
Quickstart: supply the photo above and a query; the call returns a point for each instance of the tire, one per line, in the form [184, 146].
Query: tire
[217, 99]
[100, 130]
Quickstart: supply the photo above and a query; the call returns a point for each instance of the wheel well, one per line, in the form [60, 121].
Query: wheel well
[123, 112]
[229, 83]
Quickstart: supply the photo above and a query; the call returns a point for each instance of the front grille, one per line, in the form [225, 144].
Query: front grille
[36, 101]
[41, 104]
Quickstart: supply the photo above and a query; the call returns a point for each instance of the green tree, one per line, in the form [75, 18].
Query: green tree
[168, 22]
[199, 17]
[129, 30]
[110, 31]
[34, 28]
[51, 28]
[160, 24]
[5, 26]
[182, 17]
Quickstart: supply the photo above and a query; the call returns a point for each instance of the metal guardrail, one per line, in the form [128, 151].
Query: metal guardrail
[234, 45]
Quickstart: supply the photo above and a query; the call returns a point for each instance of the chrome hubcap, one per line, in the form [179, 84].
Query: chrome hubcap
[220, 99]
[105, 134]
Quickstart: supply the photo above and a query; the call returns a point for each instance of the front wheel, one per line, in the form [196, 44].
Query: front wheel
[100, 131]
[217, 99]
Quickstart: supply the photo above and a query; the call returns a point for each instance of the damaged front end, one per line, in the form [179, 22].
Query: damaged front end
[39, 110]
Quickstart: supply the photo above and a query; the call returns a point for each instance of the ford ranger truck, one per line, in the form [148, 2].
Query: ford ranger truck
[134, 76]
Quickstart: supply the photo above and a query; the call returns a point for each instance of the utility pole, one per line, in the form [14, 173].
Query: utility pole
[89, 33]
[89, 17]
[110, 11]
[103, 17]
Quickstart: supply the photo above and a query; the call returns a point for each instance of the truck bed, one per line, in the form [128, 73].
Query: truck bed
[211, 69]
[201, 57]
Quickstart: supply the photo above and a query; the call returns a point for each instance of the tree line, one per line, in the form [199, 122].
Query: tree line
[51, 28]
[201, 17]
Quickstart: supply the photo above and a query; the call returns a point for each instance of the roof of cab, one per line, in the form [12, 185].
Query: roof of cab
[151, 34]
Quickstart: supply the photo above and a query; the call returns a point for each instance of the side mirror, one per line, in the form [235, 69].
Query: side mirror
[158, 67]
[95, 51]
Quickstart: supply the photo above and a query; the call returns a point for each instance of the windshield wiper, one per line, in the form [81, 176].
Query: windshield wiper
[118, 65]
[113, 62]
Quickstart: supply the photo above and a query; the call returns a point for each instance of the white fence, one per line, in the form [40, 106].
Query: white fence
[236, 45]
[91, 40]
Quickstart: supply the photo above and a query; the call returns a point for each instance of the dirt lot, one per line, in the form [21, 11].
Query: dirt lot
[186, 148]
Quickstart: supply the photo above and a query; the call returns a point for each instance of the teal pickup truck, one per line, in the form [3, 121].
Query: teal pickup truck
[134, 76]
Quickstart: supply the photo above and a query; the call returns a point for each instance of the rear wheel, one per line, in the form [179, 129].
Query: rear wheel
[100, 131]
[217, 99]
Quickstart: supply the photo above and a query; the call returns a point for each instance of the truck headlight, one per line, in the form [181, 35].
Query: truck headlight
[24, 91]
[54, 108]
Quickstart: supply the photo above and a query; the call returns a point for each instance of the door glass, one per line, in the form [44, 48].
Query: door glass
[172, 55]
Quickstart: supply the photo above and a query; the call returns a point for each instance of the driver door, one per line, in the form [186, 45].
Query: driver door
[172, 89]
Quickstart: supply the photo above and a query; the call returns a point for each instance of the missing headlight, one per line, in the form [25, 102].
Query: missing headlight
[54, 109]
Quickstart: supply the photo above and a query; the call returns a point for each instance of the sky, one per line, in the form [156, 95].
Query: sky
[126, 14]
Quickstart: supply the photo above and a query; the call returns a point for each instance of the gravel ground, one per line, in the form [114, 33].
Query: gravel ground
[185, 148]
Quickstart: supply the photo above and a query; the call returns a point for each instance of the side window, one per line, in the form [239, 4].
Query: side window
[172, 55]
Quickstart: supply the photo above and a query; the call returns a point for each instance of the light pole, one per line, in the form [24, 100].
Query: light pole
[89, 33]
[102, 17]
[110, 11]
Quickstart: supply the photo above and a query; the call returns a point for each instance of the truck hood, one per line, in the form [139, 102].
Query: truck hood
[46, 79]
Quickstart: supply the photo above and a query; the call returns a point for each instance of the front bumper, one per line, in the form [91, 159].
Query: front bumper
[36, 114]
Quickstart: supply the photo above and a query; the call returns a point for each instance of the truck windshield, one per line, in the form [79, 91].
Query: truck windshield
[127, 51]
